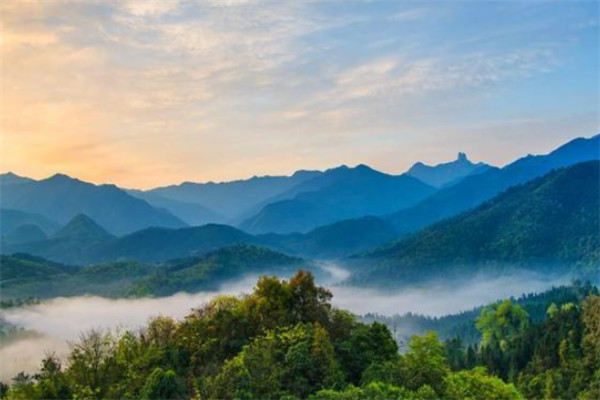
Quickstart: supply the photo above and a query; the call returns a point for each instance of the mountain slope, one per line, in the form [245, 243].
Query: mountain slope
[24, 234]
[338, 194]
[443, 174]
[549, 223]
[190, 213]
[72, 244]
[336, 240]
[474, 190]
[236, 198]
[61, 198]
[11, 179]
[82, 228]
[159, 244]
[25, 276]
[209, 271]
[12, 219]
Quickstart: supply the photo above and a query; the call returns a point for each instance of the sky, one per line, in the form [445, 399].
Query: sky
[149, 93]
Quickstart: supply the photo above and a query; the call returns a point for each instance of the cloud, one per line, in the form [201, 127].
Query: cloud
[167, 91]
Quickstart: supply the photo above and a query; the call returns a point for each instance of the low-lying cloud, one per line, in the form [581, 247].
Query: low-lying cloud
[63, 319]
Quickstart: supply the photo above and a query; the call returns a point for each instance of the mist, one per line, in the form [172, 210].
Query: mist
[60, 320]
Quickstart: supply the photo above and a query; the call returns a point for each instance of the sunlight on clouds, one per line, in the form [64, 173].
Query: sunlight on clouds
[145, 93]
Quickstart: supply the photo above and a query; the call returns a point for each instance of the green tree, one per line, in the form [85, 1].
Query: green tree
[93, 365]
[476, 384]
[425, 364]
[162, 385]
[501, 322]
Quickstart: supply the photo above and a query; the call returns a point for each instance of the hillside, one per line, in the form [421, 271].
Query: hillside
[12, 219]
[24, 234]
[72, 244]
[338, 194]
[462, 325]
[474, 190]
[336, 240]
[446, 173]
[551, 222]
[211, 270]
[60, 198]
[192, 214]
[24, 276]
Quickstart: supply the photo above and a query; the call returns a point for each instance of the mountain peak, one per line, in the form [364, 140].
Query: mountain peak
[82, 227]
[60, 177]
[446, 173]
[10, 178]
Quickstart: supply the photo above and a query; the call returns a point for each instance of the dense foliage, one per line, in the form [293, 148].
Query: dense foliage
[284, 340]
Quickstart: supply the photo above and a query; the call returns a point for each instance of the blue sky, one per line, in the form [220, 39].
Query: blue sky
[146, 93]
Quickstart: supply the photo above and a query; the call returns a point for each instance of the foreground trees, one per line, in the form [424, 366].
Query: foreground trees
[285, 340]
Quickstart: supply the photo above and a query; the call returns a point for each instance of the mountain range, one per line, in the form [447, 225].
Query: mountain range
[337, 194]
[475, 189]
[321, 215]
[60, 198]
[232, 200]
[548, 224]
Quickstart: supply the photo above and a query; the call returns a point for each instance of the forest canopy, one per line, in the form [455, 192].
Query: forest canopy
[285, 340]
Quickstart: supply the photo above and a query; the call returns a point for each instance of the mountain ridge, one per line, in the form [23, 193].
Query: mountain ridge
[539, 225]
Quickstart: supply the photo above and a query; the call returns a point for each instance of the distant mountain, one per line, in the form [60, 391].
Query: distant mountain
[336, 240]
[11, 179]
[160, 244]
[190, 213]
[475, 189]
[60, 198]
[26, 233]
[236, 198]
[443, 174]
[337, 194]
[12, 219]
[72, 244]
[82, 242]
[83, 229]
[548, 224]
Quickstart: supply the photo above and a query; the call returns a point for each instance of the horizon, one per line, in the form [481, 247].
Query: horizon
[474, 161]
[155, 93]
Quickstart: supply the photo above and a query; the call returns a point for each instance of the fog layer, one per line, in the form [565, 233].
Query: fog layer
[64, 319]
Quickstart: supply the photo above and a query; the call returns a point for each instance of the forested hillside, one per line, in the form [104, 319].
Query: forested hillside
[285, 341]
[548, 224]
[24, 276]
[463, 325]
